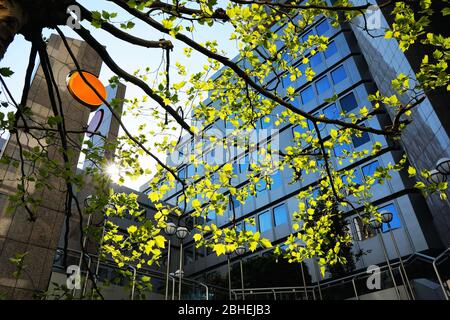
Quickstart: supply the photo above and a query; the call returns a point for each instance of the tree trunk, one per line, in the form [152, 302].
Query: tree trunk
[12, 18]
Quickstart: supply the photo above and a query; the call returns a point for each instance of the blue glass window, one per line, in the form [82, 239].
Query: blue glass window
[316, 193]
[280, 214]
[260, 186]
[243, 163]
[395, 223]
[302, 67]
[276, 180]
[182, 173]
[265, 223]
[348, 103]
[214, 177]
[369, 170]
[322, 27]
[296, 103]
[190, 170]
[211, 216]
[315, 60]
[356, 178]
[321, 125]
[322, 85]
[254, 157]
[339, 149]
[285, 56]
[320, 162]
[210, 157]
[338, 74]
[236, 203]
[235, 168]
[331, 50]
[250, 227]
[299, 129]
[264, 124]
[307, 94]
[359, 141]
[331, 112]
[306, 36]
[180, 201]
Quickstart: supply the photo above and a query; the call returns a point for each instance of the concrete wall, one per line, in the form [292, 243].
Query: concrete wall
[40, 238]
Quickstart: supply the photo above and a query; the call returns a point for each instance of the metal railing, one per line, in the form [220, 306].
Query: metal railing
[304, 292]
[141, 271]
[351, 279]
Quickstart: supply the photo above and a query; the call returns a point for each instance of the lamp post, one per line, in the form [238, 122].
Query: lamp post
[88, 202]
[441, 173]
[181, 233]
[376, 225]
[443, 166]
[229, 274]
[386, 217]
[437, 176]
[240, 251]
[170, 230]
[304, 280]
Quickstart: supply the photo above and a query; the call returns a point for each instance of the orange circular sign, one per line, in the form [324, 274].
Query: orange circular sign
[82, 92]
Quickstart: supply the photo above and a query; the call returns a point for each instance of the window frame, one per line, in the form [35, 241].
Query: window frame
[286, 214]
[332, 73]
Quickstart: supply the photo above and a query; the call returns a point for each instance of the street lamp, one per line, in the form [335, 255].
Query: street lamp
[89, 201]
[441, 173]
[386, 217]
[376, 225]
[170, 230]
[229, 252]
[443, 166]
[240, 251]
[436, 177]
[181, 233]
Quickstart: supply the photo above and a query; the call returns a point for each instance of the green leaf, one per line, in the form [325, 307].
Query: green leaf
[266, 243]
[160, 241]
[219, 249]
[197, 237]
[132, 229]
[54, 120]
[6, 72]
[411, 171]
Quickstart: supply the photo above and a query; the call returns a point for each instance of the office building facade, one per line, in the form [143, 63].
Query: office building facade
[353, 67]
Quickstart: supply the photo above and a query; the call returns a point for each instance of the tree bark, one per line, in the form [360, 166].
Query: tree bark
[12, 18]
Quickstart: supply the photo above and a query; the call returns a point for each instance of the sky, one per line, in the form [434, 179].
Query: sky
[128, 57]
